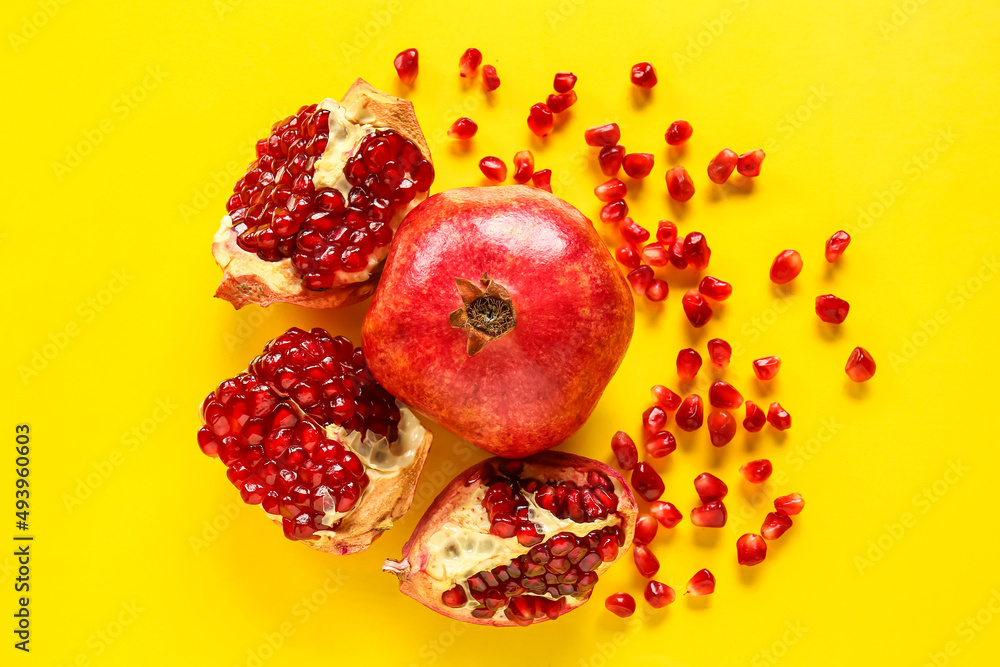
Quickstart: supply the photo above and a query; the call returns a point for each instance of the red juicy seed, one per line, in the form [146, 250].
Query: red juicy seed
[775, 525]
[493, 169]
[710, 515]
[786, 267]
[696, 250]
[540, 120]
[640, 278]
[658, 595]
[860, 365]
[751, 549]
[696, 308]
[678, 132]
[454, 597]
[524, 166]
[645, 561]
[614, 211]
[756, 471]
[688, 363]
[647, 482]
[721, 427]
[407, 65]
[766, 368]
[724, 395]
[716, 289]
[778, 417]
[638, 165]
[469, 62]
[610, 190]
[542, 179]
[602, 135]
[690, 414]
[832, 309]
[666, 513]
[702, 583]
[789, 505]
[655, 254]
[722, 165]
[660, 444]
[559, 102]
[627, 255]
[836, 245]
[677, 254]
[645, 529]
[633, 232]
[709, 487]
[755, 417]
[679, 184]
[748, 164]
[610, 158]
[625, 450]
[720, 352]
[620, 604]
[666, 233]
[490, 79]
[643, 75]
[665, 398]
[657, 290]
[463, 128]
[564, 82]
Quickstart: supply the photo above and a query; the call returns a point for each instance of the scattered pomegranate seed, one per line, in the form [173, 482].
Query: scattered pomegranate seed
[490, 79]
[658, 595]
[709, 487]
[540, 119]
[493, 168]
[638, 165]
[645, 529]
[722, 165]
[660, 444]
[625, 450]
[860, 365]
[785, 267]
[407, 63]
[666, 513]
[716, 289]
[756, 471]
[524, 166]
[836, 245]
[610, 190]
[775, 525]
[696, 308]
[469, 62]
[647, 482]
[640, 278]
[721, 427]
[751, 549]
[778, 417]
[679, 184]
[665, 398]
[655, 254]
[724, 395]
[749, 163]
[688, 363]
[666, 233]
[620, 604]
[564, 82]
[832, 309]
[766, 368]
[696, 250]
[614, 211]
[633, 232]
[602, 135]
[678, 132]
[645, 561]
[789, 505]
[610, 158]
[702, 583]
[710, 515]
[463, 128]
[657, 290]
[643, 75]
[677, 254]
[653, 420]
[690, 413]
[755, 419]
[628, 255]
[559, 102]
[542, 179]
[720, 352]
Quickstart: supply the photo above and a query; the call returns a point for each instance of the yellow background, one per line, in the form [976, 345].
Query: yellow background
[878, 117]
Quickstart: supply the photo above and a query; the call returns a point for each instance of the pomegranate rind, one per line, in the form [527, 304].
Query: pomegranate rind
[411, 569]
[246, 278]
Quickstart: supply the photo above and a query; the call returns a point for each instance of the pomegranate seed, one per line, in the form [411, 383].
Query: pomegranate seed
[660, 444]
[789, 505]
[657, 290]
[625, 450]
[785, 267]
[860, 365]
[643, 75]
[710, 515]
[677, 254]
[679, 184]
[493, 169]
[836, 245]
[766, 368]
[645, 529]
[653, 420]
[633, 232]
[407, 64]
[610, 190]
[602, 135]
[658, 595]
[665, 398]
[748, 164]
[709, 487]
[778, 417]
[559, 102]
[696, 251]
[756, 471]
[638, 165]
[696, 308]
[666, 513]
[628, 256]
[540, 120]
[721, 427]
[775, 525]
[688, 363]
[640, 278]
[751, 549]
[645, 561]
[702, 583]
[666, 233]
[564, 82]
[755, 418]
[524, 166]
[542, 179]
[678, 132]
[716, 289]
[614, 211]
[655, 254]
[647, 482]
[620, 604]
[463, 128]
[720, 352]
[690, 414]
[469, 62]
[490, 79]
[724, 395]
[610, 158]
[832, 309]
[722, 165]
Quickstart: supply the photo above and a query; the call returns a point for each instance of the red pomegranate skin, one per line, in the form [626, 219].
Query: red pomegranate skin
[535, 386]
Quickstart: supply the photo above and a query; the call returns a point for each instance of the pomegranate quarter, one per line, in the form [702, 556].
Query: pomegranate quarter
[501, 315]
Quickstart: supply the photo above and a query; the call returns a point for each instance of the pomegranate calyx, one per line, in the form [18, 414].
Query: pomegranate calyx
[487, 312]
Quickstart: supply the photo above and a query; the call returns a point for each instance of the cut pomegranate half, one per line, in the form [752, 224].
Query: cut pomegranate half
[311, 220]
[518, 542]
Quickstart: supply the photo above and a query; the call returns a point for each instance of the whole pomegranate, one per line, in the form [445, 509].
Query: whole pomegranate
[501, 315]
[518, 542]
[311, 220]
[311, 437]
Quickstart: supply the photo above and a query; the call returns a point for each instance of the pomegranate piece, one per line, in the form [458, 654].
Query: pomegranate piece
[755, 417]
[688, 363]
[766, 368]
[678, 132]
[620, 604]
[645, 561]
[661, 444]
[653, 420]
[789, 505]
[638, 165]
[721, 427]
[696, 251]
[524, 166]
[836, 245]
[493, 169]
[559, 102]
[407, 64]
[647, 482]
[628, 256]
[720, 352]
[645, 529]
[665, 398]
[713, 288]
[724, 395]
[666, 513]
[542, 179]
[775, 525]
[690, 414]
[702, 583]
[469, 63]
[666, 233]
[657, 289]
[709, 487]
[611, 190]
[679, 184]
[614, 211]
[540, 119]
[696, 308]
[710, 515]
[491, 81]
[643, 75]
[722, 166]
[564, 82]
[658, 595]
[640, 278]
[610, 159]
[751, 549]
[756, 472]
[463, 128]
[860, 365]
[786, 267]
[778, 417]
[633, 232]
[607, 134]
[748, 164]
[832, 309]
[625, 451]
[548, 570]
